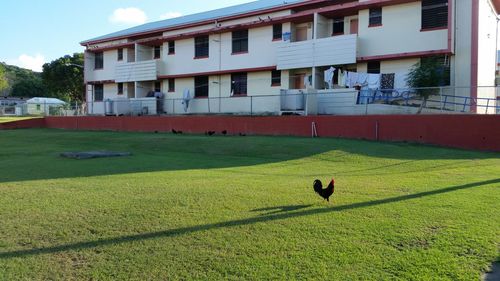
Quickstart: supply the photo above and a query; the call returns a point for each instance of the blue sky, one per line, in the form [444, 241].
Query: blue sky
[33, 32]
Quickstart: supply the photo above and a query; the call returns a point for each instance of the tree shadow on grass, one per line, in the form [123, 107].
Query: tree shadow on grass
[34, 154]
[283, 212]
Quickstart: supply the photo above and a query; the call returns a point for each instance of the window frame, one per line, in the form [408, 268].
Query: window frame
[277, 32]
[119, 55]
[375, 17]
[337, 22]
[201, 47]
[99, 93]
[275, 78]
[239, 42]
[373, 67]
[119, 89]
[171, 85]
[157, 52]
[201, 91]
[430, 10]
[98, 60]
[239, 84]
[171, 48]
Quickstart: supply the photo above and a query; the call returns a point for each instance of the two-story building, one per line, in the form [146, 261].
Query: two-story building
[241, 58]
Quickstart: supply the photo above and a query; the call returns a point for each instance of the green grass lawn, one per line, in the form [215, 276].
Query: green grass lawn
[12, 119]
[243, 208]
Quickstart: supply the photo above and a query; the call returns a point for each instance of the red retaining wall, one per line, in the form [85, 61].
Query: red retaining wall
[23, 124]
[481, 132]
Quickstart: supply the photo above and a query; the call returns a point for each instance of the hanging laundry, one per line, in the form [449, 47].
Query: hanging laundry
[186, 98]
[307, 81]
[329, 76]
[387, 81]
[362, 77]
[373, 81]
[353, 79]
[342, 76]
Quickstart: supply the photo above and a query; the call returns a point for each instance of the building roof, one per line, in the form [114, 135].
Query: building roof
[46, 101]
[189, 19]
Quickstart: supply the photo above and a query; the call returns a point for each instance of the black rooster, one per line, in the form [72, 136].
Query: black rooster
[325, 193]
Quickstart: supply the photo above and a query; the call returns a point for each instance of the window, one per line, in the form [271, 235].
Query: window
[434, 14]
[276, 78]
[157, 51]
[120, 54]
[239, 84]
[201, 86]
[99, 60]
[38, 107]
[240, 41]
[374, 67]
[201, 48]
[171, 85]
[120, 88]
[375, 17]
[338, 26]
[171, 47]
[277, 31]
[157, 86]
[98, 92]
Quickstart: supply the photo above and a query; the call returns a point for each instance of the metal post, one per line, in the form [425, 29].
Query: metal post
[487, 105]
[251, 105]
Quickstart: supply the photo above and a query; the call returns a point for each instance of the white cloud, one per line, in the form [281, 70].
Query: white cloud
[170, 15]
[34, 63]
[128, 16]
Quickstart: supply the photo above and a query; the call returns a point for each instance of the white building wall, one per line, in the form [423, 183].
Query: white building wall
[399, 33]
[108, 71]
[486, 59]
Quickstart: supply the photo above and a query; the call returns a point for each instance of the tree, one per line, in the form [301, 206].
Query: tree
[426, 76]
[3, 80]
[63, 77]
[29, 87]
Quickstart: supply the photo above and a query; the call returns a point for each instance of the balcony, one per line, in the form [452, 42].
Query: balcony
[137, 71]
[335, 50]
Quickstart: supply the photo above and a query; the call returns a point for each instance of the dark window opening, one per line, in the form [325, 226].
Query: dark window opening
[434, 14]
[98, 92]
[171, 47]
[277, 31]
[374, 67]
[120, 54]
[240, 41]
[201, 46]
[239, 84]
[338, 26]
[99, 60]
[157, 51]
[201, 86]
[171, 85]
[276, 78]
[120, 88]
[375, 16]
[158, 86]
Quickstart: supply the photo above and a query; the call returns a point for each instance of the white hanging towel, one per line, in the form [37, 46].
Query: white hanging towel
[342, 76]
[373, 81]
[329, 76]
[353, 79]
[362, 77]
[186, 97]
[307, 81]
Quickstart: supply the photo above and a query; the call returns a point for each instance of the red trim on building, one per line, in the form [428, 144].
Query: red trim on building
[404, 55]
[474, 53]
[375, 25]
[434, 29]
[221, 72]
[200, 58]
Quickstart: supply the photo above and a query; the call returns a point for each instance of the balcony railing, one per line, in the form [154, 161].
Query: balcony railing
[335, 50]
[137, 71]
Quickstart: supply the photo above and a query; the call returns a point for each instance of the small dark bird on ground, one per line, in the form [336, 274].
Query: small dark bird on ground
[224, 132]
[174, 132]
[211, 133]
[242, 135]
[325, 193]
